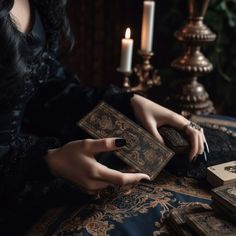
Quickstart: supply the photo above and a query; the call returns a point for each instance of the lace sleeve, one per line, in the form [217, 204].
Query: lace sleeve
[23, 162]
[21, 167]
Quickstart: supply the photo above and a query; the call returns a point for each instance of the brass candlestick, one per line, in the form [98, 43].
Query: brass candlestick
[190, 96]
[147, 76]
[126, 82]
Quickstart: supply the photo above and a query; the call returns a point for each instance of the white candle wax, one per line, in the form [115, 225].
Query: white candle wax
[126, 52]
[148, 26]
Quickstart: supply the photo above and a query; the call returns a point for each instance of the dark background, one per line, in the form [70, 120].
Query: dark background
[99, 25]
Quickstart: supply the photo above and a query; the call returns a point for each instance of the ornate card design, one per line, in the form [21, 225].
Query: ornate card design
[178, 216]
[209, 224]
[175, 140]
[226, 195]
[142, 152]
[222, 174]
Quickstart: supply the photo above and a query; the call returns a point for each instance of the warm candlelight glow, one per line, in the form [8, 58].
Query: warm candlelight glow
[128, 33]
[126, 52]
[148, 26]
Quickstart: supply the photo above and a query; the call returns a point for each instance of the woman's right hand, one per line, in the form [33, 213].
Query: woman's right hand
[76, 162]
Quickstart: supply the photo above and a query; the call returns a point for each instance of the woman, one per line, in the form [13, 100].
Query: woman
[40, 103]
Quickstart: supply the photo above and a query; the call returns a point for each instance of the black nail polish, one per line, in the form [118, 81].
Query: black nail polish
[120, 142]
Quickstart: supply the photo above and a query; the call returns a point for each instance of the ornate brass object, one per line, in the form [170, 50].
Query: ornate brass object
[190, 96]
[126, 80]
[146, 76]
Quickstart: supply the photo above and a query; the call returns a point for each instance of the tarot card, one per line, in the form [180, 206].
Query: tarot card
[175, 140]
[226, 195]
[222, 174]
[207, 223]
[142, 152]
[178, 217]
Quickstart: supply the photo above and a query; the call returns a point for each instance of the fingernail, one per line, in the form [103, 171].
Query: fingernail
[193, 160]
[120, 142]
[205, 156]
[206, 146]
[148, 178]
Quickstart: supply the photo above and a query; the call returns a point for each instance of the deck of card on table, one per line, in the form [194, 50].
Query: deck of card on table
[224, 200]
[177, 220]
[210, 224]
[218, 219]
[222, 174]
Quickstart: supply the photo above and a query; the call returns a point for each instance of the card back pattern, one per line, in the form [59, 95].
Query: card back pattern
[143, 151]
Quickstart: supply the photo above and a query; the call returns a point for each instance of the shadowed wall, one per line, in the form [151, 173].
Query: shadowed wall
[99, 25]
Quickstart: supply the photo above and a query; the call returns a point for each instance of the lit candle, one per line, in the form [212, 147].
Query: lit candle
[148, 26]
[126, 52]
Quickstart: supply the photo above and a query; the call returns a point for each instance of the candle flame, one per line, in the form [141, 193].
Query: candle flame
[128, 33]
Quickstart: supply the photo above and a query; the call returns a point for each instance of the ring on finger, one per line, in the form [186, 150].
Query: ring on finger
[193, 125]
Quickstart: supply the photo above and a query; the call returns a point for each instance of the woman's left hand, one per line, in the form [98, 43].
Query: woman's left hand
[153, 116]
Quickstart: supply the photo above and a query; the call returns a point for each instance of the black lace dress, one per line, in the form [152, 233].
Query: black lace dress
[43, 116]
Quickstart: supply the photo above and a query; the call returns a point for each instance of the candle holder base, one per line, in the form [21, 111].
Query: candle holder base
[126, 80]
[190, 97]
[147, 76]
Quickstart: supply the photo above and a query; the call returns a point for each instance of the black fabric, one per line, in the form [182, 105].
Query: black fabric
[42, 117]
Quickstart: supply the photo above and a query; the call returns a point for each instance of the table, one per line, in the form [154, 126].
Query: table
[141, 212]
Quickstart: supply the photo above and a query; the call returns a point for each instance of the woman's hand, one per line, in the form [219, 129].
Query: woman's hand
[153, 116]
[76, 162]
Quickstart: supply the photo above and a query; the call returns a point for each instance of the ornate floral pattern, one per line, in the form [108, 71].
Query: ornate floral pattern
[115, 211]
[139, 142]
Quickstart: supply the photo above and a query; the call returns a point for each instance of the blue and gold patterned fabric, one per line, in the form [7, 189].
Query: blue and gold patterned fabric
[139, 212]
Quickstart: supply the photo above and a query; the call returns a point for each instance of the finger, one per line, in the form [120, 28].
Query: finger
[116, 177]
[86, 191]
[98, 185]
[194, 145]
[104, 145]
[203, 135]
[205, 143]
[90, 192]
[205, 156]
[194, 158]
[151, 126]
[200, 144]
[207, 147]
[94, 186]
